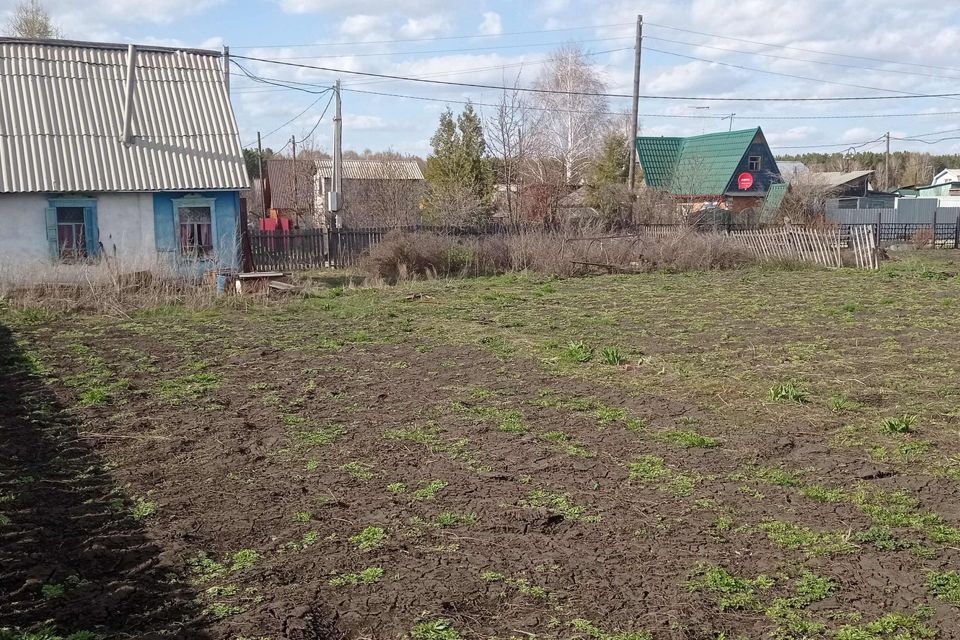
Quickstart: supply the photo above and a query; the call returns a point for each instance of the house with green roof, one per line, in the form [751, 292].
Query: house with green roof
[733, 170]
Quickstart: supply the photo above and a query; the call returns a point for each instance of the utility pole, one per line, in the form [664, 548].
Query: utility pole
[336, 197]
[638, 47]
[730, 118]
[296, 171]
[886, 166]
[263, 197]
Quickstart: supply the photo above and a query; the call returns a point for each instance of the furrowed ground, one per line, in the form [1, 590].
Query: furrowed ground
[751, 454]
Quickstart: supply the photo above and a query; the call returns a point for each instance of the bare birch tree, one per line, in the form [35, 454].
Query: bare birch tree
[31, 20]
[571, 122]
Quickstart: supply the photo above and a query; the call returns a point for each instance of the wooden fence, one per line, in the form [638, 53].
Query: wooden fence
[340, 248]
[823, 247]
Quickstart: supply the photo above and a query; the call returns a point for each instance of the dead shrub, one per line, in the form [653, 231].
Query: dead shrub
[563, 252]
[404, 255]
[922, 238]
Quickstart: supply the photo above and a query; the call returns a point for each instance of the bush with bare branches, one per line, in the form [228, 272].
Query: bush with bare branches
[565, 252]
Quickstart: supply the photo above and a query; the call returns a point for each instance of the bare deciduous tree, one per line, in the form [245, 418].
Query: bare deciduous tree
[505, 142]
[31, 20]
[568, 129]
[806, 199]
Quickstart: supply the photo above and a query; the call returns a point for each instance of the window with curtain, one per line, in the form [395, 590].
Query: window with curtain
[71, 233]
[196, 231]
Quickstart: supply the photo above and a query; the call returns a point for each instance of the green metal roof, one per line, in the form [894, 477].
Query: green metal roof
[774, 199]
[699, 165]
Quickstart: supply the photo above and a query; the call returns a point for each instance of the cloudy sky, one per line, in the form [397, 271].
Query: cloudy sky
[692, 48]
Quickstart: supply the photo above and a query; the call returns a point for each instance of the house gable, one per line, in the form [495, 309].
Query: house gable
[704, 165]
[765, 175]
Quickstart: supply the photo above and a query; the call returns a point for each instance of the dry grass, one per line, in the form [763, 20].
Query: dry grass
[111, 286]
[566, 252]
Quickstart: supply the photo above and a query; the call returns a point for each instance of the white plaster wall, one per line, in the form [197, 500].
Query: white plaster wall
[125, 221]
[23, 228]
[126, 225]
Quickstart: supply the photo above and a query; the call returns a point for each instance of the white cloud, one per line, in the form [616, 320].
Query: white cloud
[410, 7]
[492, 24]
[362, 122]
[426, 27]
[366, 27]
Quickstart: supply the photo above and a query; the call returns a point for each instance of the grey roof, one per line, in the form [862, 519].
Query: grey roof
[789, 168]
[373, 169]
[61, 120]
[833, 179]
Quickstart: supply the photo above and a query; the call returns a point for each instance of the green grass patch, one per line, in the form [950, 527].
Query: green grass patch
[319, 436]
[451, 519]
[945, 585]
[429, 491]
[370, 575]
[441, 629]
[359, 470]
[369, 539]
[731, 591]
[591, 630]
[788, 392]
[688, 439]
[794, 536]
[559, 504]
[188, 387]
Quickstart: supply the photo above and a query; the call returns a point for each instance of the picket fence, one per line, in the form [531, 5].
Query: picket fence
[822, 247]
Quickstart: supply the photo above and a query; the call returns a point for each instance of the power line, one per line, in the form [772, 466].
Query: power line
[319, 120]
[464, 50]
[433, 39]
[780, 46]
[293, 119]
[858, 116]
[805, 60]
[533, 62]
[276, 82]
[590, 93]
[847, 145]
[784, 75]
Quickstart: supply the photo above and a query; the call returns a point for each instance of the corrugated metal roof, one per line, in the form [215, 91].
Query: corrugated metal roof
[373, 169]
[61, 120]
[281, 173]
[698, 165]
[832, 179]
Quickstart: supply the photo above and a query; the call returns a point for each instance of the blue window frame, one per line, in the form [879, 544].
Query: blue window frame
[195, 219]
[72, 229]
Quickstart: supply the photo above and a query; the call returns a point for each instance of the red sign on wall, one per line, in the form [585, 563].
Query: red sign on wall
[745, 181]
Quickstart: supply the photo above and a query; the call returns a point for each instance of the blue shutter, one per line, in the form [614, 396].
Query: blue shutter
[225, 233]
[164, 230]
[92, 230]
[53, 240]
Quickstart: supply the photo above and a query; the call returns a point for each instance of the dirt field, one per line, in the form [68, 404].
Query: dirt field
[702, 456]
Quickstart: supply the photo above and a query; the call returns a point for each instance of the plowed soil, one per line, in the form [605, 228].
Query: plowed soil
[518, 495]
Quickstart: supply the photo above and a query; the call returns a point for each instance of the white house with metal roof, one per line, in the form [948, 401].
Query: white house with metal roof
[117, 150]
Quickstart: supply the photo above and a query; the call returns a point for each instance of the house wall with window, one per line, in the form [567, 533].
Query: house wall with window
[136, 227]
